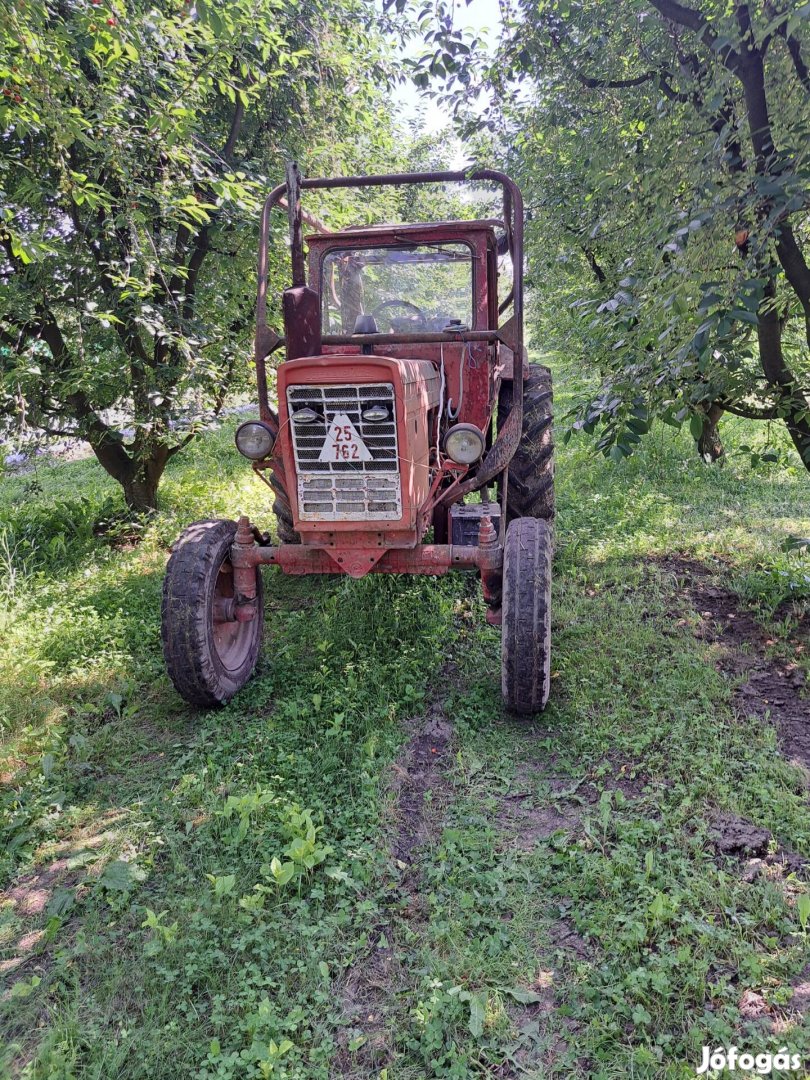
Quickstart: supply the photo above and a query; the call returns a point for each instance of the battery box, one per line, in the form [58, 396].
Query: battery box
[465, 521]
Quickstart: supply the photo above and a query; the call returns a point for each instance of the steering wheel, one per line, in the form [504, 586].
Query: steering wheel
[383, 309]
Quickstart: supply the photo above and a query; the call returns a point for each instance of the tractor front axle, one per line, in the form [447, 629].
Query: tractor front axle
[433, 559]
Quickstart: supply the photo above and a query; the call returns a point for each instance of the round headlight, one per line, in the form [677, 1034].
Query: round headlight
[464, 443]
[254, 439]
[375, 414]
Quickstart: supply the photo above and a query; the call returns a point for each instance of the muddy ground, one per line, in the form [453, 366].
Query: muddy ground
[768, 684]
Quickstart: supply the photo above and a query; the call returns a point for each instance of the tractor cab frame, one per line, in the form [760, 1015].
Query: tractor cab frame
[409, 435]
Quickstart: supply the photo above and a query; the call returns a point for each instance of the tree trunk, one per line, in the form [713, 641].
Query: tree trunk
[138, 474]
[140, 493]
[710, 446]
[769, 329]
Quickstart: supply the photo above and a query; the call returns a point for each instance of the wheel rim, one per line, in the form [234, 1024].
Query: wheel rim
[232, 639]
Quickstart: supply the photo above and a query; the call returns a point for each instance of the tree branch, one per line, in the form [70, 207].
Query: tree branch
[744, 21]
[106, 442]
[599, 273]
[613, 84]
[126, 330]
[591, 82]
[202, 246]
[775, 12]
[736, 409]
[794, 263]
[183, 443]
[670, 92]
[697, 21]
[26, 331]
[236, 127]
[58, 432]
[795, 50]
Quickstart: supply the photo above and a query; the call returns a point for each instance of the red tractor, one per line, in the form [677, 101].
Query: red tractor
[411, 436]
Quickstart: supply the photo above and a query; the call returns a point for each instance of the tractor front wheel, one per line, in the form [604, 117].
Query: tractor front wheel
[210, 655]
[526, 616]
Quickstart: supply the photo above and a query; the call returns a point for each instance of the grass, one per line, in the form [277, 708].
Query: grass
[571, 916]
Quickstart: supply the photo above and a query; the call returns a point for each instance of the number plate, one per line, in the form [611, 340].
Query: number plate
[343, 443]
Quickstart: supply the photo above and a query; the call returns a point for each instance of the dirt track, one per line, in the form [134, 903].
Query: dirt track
[771, 687]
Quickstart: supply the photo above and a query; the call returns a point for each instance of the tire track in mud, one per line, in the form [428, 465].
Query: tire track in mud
[524, 820]
[548, 799]
[772, 688]
[775, 689]
[418, 790]
[420, 793]
[769, 684]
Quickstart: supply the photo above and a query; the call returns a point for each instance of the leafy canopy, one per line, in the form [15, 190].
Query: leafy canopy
[138, 141]
[662, 148]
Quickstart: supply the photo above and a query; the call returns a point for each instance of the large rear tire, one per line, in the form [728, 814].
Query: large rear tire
[526, 616]
[208, 659]
[281, 505]
[531, 470]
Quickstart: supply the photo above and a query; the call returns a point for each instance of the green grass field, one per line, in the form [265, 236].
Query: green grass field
[541, 900]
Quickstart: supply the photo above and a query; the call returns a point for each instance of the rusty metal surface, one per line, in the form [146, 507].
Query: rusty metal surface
[351, 340]
[302, 321]
[244, 575]
[469, 368]
[299, 275]
[490, 564]
[431, 559]
[416, 392]
[411, 230]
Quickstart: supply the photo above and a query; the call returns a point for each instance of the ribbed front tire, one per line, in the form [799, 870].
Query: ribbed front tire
[526, 616]
[208, 660]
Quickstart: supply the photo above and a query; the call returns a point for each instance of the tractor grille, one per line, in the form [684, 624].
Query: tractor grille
[346, 490]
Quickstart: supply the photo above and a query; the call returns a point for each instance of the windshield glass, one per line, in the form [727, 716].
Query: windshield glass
[407, 290]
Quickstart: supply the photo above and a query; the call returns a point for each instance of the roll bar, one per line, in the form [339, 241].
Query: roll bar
[504, 446]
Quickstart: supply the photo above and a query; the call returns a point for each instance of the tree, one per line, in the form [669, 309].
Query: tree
[662, 148]
[138, 136]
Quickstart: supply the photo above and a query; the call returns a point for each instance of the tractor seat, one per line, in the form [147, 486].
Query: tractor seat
[365, 324]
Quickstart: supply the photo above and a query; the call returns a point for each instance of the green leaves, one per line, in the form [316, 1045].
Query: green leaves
[281, 873]
[657, 238]
[141, 140]
[796, 543]
[223, 885]
[120, 876]
[523, 997]
[477, 1003]
[803, 910]
[23, 989]
[478, 1011]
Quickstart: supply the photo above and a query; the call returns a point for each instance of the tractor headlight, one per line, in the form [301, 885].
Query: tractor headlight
[376, 414]
[464, 443]
[305, 416]
[254, 439]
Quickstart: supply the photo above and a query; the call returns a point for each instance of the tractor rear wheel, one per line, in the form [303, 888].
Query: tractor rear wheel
[526, 616]
[209, 656]
[281, 506]
[531, 470]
